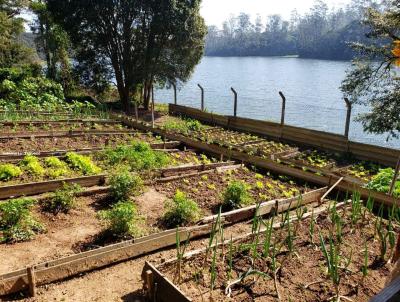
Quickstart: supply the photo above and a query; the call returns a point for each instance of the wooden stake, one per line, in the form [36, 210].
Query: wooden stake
[331, 189]
[31, 281]
[396, 175]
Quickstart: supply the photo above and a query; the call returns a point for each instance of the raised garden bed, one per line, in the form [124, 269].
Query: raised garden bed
[291, 262]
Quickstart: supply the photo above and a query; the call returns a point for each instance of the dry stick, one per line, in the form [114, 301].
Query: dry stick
[331, 189]
[396, 174]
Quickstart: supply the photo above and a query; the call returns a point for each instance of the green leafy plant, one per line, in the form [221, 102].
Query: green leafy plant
[16, 220]
[63, 200]
[123, 220]
[138, 156]
[123, 184]
[82, 163]
[180, 252]
[56, 167]
[236, 195]
[181, 210]
[32, 164]
[381, 182]
[9, 171]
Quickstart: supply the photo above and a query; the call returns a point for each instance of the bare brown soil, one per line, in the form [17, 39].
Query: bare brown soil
[207, 190]
[69, 143]
[15, 129]
[302, 275]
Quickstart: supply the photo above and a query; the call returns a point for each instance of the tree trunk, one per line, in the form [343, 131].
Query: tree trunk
[147, 95]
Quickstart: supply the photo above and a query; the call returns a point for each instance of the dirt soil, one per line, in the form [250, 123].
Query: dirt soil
[69, 143]
[207, 190]
[303, 275]
[61, 127]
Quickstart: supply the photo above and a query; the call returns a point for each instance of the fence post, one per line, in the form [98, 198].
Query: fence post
[152, 106]
[348, 118]
[202, 97]
[235, 102]
[283, 108]
[175, 94]
[396, 175]
[32, 281]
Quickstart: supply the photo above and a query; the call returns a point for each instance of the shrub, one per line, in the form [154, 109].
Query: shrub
[63, 200]
[183, 126]
[32, 164]
[56, 167]
[82, 163]
[9, 171]
[138, 156]
[123, 184]
[16, 220]
[236, 195]
[181, 211]
[382, 182]
[123, 220]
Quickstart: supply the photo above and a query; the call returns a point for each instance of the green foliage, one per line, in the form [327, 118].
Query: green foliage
[382, 182]
[82, 163]
[123, 184]
[373, 80]
[63, 200]
[31, 164]
[181, 211]
[184, 126]
[9, 171]
[56, 167]
[236, 195]
[138, 156]
[123, 220]
[16, 220]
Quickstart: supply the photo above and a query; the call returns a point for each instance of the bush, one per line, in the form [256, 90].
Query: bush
[32, 164]
[181, 211]
[82, 163]
[63, 200]
[138, 156]
[382, 182]
[184, 125]
[236, 195]
[123, 220]
[9, 171]
[56, 167]
[123, 184]
[16, 220]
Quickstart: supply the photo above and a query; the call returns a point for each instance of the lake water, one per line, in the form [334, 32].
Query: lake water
[311, 88]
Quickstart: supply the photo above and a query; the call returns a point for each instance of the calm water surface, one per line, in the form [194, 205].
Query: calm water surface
[311, 87]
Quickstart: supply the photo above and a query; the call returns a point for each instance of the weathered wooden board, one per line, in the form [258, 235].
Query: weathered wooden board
[58, 122]
[36, 188]
[391, 293]
[305, 137]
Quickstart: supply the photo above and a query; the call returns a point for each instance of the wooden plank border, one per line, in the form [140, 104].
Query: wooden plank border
[301, 136]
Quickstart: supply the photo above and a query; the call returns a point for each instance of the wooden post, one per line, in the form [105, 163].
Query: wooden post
[175, 94]
[283, 108]
[152, 106]
[202, 97]
[31, 281]
[396, 175]
[235, 102]
[348, 118]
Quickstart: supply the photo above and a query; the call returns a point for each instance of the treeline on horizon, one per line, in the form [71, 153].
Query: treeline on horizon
[320, 34]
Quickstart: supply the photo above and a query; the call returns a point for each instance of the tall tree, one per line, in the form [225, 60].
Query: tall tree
[12, 51]
[54, 43]
[374, 79]
[141, 41]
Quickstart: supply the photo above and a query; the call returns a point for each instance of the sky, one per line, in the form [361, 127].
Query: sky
[216, 12]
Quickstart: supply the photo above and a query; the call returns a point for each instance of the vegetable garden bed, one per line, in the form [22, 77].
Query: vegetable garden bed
[340, 252]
